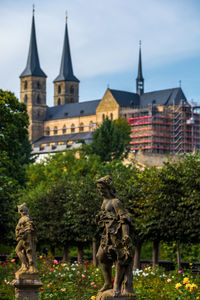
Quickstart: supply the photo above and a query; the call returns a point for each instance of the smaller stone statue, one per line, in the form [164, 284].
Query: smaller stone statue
[26, 280]
[116, 246]
[26, 237]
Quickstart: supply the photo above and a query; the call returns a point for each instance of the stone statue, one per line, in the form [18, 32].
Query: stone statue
[116, 244]
[26, 237]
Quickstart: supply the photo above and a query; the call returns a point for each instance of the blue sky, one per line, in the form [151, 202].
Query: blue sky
[104, 39]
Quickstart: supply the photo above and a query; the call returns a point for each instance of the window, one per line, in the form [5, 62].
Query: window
[59, 89]
[25, 84]
[71, 89]
[91, 125]
[38, 85]
[47, 131]
[59, 101]
[72, 128]
[25, 99]
[71, 100]
[64, 130]
[38, 99]
[81, 128]
[103, 117]
[111, 116]
[55, 131]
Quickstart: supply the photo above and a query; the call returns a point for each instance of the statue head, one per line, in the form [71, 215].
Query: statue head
[106, 187]
[23, 209]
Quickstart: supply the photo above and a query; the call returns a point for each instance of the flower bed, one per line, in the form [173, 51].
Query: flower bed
[81, 281]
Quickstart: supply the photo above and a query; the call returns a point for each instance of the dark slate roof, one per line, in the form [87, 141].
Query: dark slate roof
[33, 64]
[71, 110]
[64, 138]
[66, 70]
[163, 97]
[126, 99]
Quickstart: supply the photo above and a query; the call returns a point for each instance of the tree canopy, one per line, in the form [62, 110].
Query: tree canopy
[111, 140]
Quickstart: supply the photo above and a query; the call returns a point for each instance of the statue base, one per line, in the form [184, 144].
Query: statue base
[27, 287]
[108, 295]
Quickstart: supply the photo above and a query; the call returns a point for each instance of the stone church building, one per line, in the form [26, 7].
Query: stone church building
[162, 121]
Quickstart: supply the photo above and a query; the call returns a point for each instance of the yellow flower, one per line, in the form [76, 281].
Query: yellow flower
[41, 256]
[13, 260]
[198, 297]
[193, 287]
[190, 264]
[93, 298]
[187, 286]
[178, 285]
[186, 280]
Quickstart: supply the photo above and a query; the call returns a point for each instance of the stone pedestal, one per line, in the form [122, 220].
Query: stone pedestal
[108, 295]
[27, 287]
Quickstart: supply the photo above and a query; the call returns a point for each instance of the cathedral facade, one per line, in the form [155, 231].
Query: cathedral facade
[162, 121]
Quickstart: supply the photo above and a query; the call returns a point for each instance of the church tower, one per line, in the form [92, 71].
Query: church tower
[33, 89]
[140, 79]
[66, 85]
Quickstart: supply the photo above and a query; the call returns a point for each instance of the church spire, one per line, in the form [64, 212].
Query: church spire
[33, 63]
[140, 79]
[66, 69]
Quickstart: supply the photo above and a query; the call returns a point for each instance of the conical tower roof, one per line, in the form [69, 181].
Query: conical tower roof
[66, 69]
[140, 76]
[33, 63]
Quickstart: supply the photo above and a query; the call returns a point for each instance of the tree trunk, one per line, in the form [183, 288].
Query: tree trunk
[94, 252]
[155, 255]
[178, 255]
[65, 253]
[80, 253]
[136, 264]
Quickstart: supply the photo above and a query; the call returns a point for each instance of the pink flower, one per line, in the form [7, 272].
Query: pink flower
[92, 283]
[85, 263]
[179, 271]
[55, 262]
[169, 280]
[52, 269]
[83, 276]
[95, 286]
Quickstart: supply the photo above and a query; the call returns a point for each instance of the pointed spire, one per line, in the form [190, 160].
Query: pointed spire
[140, 79]
[66, 69]
[33, 63]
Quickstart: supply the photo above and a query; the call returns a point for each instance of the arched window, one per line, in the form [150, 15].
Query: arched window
[71, 89]
[47, 131]
[38, 99]
[81, 127]
[25, 84]
[59, 101]
[103, 117]
[72, 128]
[25, 99]
[64, 130]
[38, 85]
[59, 89]
[55, 131]
[111, 116]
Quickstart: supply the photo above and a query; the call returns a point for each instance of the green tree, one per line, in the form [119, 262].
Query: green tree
[111, 140]
[15, 151]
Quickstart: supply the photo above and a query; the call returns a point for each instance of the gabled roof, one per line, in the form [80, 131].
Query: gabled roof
[64, 138]
[33, 64]
[66, 70]
[126, 99]
[163, 97]
[71, 110]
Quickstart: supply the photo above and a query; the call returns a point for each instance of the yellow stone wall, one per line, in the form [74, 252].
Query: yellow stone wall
[66, 92]
[88, 123]
[106, 107]
[33, 94]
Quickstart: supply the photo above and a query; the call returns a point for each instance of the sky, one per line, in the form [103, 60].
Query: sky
[104, 37]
